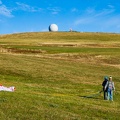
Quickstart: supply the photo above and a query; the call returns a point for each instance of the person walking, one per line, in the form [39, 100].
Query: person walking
[110, 88]
[105, 89]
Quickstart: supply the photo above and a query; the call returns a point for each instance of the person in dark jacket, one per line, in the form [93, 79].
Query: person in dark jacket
[105, 89]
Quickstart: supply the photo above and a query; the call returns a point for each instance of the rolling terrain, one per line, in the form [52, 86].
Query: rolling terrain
[58, 75]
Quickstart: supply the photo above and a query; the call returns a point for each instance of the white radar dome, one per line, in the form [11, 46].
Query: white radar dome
[53, 28]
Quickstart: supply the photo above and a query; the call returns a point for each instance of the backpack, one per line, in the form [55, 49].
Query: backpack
[104, 84]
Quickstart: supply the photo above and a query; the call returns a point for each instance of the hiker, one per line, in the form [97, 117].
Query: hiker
[105, 89]
[111, 88]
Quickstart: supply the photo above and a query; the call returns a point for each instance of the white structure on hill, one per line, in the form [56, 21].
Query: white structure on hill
[53, 28]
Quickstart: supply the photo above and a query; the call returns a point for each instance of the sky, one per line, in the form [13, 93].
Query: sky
[17, 16]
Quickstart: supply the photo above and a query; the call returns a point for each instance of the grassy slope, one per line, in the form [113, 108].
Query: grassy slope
[52, 72]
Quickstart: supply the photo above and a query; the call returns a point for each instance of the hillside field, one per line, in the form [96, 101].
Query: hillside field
[58, 75]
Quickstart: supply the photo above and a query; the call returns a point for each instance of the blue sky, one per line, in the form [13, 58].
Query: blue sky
[80, 15]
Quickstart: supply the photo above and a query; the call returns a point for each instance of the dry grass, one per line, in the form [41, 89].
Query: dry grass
[52, 72]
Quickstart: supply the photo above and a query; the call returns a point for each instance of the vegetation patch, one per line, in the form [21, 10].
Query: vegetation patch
[58, 75]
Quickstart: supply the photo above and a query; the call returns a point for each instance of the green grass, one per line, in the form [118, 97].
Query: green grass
[53, 72]
[57, 49]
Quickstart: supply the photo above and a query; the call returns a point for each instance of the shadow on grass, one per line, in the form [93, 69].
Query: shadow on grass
[93, 96]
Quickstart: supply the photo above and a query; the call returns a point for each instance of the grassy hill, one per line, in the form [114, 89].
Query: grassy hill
[58, 75]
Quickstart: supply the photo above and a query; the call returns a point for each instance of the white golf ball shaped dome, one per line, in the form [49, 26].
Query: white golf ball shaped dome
[53, 28]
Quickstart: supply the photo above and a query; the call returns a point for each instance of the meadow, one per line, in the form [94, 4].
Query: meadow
[58, 75]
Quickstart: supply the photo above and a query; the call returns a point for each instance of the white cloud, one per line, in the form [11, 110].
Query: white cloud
[54, 10]
[25, 7]
[102, 20]
[5, 11]
[74, 10]
[110, 6]
[90, 10]
[91, 16]
[104, 12]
